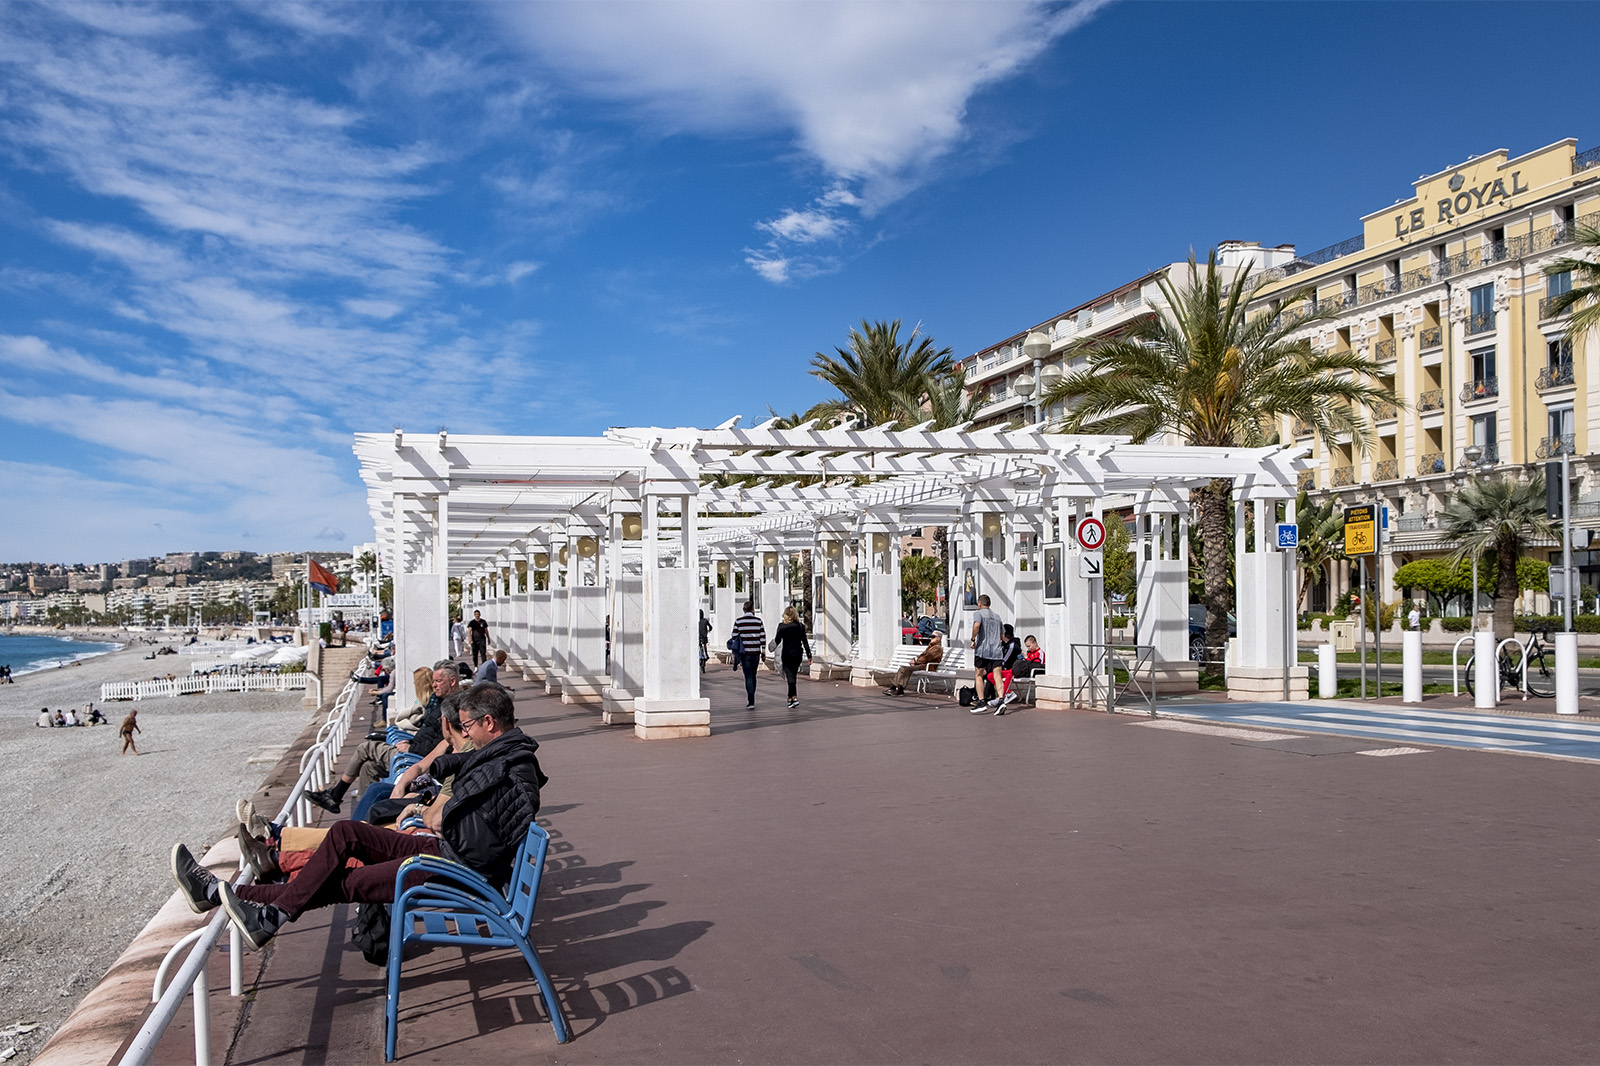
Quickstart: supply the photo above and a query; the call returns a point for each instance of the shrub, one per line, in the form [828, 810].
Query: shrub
[1121, 621]
[1456, 625]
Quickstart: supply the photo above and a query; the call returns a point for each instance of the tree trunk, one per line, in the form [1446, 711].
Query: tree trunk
[1505, 592]
[1217, 551]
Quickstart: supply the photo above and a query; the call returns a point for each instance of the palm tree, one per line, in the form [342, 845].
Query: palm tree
[946, 404]
[1203, 369]
[1498, 516]
[1583, 299]
[1321, 540]
[879, 376]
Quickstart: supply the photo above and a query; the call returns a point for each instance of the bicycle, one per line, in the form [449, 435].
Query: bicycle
[1541, 666]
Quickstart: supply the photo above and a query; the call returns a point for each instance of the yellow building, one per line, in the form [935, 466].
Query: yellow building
[1446, 290]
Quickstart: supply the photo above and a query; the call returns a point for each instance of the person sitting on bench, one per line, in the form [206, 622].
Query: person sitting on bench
[894, 684]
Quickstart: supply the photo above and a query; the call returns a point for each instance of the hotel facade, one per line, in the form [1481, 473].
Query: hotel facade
[1446, 292]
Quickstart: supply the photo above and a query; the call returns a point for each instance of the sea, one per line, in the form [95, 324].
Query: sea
[27, 653]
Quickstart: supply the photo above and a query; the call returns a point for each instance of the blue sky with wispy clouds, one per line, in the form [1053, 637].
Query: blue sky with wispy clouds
[232, 235]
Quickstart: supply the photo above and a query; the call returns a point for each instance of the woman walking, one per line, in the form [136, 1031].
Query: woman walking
[130, 726]
[790, 642]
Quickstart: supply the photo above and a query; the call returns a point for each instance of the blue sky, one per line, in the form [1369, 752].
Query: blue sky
[231, 236]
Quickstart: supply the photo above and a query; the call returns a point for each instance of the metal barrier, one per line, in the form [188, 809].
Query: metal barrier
[1455, 666]
[1100, 663]
[316, 770]
[113, 691]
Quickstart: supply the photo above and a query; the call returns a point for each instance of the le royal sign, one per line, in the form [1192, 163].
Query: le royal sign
[1462, 199]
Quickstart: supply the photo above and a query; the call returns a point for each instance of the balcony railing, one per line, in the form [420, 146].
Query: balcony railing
[1430, 337]
[1383, 412]
[1480, 389]
[1411, 523]
[1343, 475]
[1316, 258]
[1386, 470]
[1430, 463]
[1380, 290]
[1430, 400]
[1480, 322]
[1545, 314]
[1385, 349]
[1556, 447]
[1585, 160]
[1555, 376]
[1307, 480]
[1490, 456]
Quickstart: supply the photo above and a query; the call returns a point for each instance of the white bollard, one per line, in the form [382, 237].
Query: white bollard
[1411, 666]
[1485, 671]
[1327, 671]
[1566, 673]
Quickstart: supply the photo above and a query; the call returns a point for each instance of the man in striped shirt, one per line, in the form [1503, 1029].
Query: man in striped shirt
[753, 635]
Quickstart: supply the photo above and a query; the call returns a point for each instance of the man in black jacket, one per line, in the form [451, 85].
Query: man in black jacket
[482, 825]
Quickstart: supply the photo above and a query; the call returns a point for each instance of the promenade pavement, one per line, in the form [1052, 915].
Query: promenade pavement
[871, 879]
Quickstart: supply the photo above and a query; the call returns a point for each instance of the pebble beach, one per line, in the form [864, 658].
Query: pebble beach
[88, 831]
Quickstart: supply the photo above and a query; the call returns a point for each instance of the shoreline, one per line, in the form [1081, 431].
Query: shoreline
[108, 647]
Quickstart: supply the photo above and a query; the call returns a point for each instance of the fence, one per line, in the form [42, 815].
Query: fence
[1093, 677]
[316, 770]
[112, 691]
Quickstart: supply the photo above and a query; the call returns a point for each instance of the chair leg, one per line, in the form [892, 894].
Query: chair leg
[558, 1020]
[391, 1006]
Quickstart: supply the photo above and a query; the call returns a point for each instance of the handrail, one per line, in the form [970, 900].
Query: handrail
[191, 977]
[1455, 665]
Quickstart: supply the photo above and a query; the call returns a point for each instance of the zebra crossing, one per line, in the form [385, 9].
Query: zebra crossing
[1565, 738]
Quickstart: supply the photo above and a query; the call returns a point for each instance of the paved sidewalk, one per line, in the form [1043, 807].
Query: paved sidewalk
[871, 879]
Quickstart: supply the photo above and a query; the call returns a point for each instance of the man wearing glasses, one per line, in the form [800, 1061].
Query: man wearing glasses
[482, 824]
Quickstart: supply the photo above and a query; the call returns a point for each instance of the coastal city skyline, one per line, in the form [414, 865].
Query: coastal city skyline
[236, 236]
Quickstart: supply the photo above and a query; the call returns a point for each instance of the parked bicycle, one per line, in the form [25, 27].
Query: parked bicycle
[1541, 657]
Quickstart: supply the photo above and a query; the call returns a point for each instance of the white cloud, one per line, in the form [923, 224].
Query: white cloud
[806, 227]
[774, 268]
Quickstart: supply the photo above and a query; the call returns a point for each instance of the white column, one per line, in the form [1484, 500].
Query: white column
[520, 584]
[671, 705]
[1162, 558]
[830, 595]
[1074, 628]
[772, 561]
[723, 608]
[878, 599]
[1257, 670]
[586, 677]
[560, 629]
[539, 637]
[624, 564]
[1027, 585]
[1411, 666]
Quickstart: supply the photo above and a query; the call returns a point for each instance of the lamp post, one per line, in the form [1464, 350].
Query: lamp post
[1034, 348]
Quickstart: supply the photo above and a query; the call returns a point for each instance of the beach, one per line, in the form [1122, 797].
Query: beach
[88, 831]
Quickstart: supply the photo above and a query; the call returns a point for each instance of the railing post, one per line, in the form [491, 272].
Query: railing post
[202, 1018]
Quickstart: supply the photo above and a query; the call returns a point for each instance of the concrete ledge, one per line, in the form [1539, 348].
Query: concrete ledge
[671, 719]
[1176, 676]
[1258, 684]
[644, 732]
[589, 691]
[618, 708]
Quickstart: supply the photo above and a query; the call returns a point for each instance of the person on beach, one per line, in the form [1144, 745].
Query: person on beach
[478, 630]
[95, 717]
[481, 825]
[46, 719]
[130, 726]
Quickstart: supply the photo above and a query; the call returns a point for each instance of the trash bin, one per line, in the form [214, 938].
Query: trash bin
[1344, 636]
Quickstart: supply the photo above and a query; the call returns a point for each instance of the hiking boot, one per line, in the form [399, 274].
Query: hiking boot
[321, 798]
[197, 884]
[258, 923]
[258, 857]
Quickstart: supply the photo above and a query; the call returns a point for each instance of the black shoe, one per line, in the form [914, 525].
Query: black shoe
[258, 857]
[749, 706]
[195, 882]
[321, 798]
[258, 922]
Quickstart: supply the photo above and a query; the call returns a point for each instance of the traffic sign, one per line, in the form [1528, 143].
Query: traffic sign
[1091, 564]
[1361, 530]
[1288, 535]
[1091, 534]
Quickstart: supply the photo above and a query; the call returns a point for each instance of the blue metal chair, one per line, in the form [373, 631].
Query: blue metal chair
[398, 762]
[459, 907]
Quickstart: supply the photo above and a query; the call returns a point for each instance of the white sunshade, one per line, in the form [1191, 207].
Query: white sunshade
[286, 655]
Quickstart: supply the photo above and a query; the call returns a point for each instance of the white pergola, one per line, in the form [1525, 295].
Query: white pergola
[551, 536]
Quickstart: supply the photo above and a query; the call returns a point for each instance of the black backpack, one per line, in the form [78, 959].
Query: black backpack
[967, 695]
[370, 934]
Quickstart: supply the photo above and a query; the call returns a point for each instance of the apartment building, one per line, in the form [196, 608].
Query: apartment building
[1446, 290]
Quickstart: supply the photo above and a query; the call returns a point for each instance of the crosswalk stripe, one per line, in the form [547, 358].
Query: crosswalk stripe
[1467, 726]
[1386, 731]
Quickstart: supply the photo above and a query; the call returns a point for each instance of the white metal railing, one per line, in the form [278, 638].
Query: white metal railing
[316, 770]
[112, 691]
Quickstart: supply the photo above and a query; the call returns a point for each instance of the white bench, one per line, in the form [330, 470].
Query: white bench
[956, 664]
[832, 670]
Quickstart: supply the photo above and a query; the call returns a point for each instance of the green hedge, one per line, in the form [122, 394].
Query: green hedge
[1120, 621]
[1456, 625]
[1583, 623]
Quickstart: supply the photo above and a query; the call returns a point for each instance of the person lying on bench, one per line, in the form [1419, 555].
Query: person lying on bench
[481, 826]
[895, 684]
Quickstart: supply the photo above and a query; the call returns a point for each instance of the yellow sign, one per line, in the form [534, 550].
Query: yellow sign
[1361, 530]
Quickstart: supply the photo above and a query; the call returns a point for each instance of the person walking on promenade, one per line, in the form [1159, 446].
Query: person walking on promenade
[494, 798]
[458, 637]
[705, 639]
[791, 645]
[753, 644]
[987, 633]
[130, 726]
[478, 629]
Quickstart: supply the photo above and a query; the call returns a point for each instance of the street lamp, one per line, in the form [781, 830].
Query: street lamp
[1472, 456]
[1034, 348]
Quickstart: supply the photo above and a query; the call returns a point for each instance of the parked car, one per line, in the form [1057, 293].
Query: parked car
[908, 631]
[927, 626]
[1197, 631]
